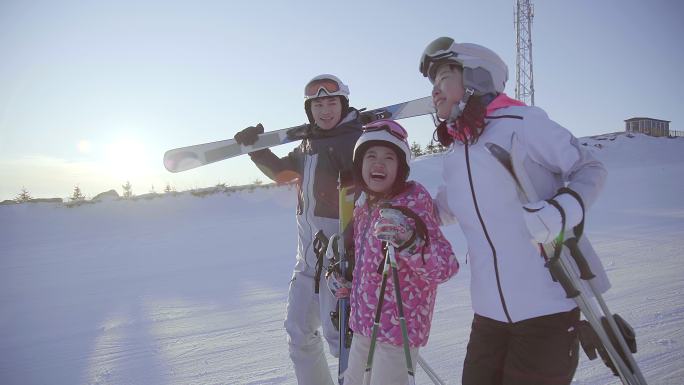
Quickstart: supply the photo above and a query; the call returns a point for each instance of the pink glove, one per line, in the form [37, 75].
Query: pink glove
[338, 286]
[393, 227]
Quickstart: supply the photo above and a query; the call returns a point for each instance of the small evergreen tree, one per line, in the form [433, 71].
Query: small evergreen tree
[77, 195]
[431, 148]
[23, 196]
[127, 190]
[169, 188]
[258, 182]
[416, 150]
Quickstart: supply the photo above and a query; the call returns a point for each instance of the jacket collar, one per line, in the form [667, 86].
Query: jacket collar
[502, 101]
[350, 122]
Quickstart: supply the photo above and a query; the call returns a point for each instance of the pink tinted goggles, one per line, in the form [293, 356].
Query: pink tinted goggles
[387, 125]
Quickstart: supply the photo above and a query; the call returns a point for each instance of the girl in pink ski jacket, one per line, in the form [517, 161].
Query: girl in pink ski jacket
[424, 256]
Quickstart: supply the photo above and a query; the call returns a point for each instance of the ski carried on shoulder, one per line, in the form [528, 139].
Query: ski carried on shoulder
[603, 332]
[186, 158]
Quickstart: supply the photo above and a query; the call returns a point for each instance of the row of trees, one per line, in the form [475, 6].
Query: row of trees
[431, 148]
[77, 195]
[127, 189]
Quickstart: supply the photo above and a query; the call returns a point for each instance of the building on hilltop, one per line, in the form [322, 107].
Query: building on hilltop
[648, 126]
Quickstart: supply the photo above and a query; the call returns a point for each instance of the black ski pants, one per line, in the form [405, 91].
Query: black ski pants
[536, 351]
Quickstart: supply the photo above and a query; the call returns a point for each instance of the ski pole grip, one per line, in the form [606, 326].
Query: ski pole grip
[585, 271]
[557, 271]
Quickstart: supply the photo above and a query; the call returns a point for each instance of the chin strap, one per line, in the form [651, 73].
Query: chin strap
[457, 109]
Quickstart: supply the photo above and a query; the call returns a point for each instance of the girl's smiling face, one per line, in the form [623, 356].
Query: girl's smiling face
[379, 168]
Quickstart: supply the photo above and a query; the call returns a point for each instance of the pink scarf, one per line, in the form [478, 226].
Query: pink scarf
[501, 101]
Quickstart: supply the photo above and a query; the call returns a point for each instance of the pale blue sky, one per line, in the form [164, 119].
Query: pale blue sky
[93, 92]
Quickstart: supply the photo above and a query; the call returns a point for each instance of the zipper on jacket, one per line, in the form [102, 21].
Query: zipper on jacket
[366, 228]
[308, 209]
[489, 240]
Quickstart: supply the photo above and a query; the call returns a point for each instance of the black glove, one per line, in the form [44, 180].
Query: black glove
[249, 135]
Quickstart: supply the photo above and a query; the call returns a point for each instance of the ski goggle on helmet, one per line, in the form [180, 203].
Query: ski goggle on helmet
[384, 130]
[325, 85]
[483, 70]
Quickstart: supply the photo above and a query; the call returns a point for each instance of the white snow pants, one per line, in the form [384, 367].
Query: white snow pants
[389, 363]
[306, 312]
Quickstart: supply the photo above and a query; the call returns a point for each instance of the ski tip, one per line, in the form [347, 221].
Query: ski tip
[176, 161]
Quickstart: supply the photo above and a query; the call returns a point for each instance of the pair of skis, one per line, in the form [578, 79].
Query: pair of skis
[189, 157]
[603, 323]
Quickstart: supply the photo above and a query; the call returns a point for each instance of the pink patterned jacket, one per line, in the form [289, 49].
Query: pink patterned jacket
[419, 272]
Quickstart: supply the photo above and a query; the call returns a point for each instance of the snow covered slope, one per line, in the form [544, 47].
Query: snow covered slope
[189, 290]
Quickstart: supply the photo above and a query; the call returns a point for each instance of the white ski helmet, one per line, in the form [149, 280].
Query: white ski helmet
[483, 70]
[384, 132]
[322, 86]
[325, 85]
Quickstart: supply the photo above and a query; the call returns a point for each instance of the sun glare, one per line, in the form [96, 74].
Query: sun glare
[84, 146]
[126, 159]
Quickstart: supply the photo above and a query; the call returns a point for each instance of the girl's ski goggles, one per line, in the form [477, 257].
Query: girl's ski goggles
[387, 125]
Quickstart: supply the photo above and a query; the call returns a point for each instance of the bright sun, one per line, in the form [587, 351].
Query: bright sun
[84, 146]
[126, 159]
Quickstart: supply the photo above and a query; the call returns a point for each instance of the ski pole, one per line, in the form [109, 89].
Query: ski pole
[390, 263]
[429, 371]
[376, 322]
[587, 275]
[562, 271]
[402, 320]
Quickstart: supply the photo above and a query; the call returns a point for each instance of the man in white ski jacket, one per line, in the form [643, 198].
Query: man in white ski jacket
[315, 164]
[524, 327]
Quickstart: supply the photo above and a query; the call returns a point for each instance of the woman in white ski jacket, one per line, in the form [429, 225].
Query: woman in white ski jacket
[524, 327]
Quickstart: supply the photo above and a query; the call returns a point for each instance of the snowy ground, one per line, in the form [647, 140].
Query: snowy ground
[188, 290]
